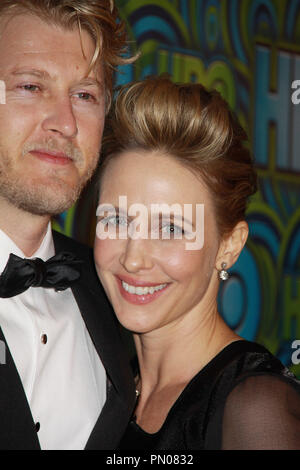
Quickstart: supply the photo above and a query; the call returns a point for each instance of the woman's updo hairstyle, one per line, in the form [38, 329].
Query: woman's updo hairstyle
[195, 127]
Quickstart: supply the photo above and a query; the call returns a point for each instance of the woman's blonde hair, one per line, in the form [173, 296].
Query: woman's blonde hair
[192, 125]
[98, 17]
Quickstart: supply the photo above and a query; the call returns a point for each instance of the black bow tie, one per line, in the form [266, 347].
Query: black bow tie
[59, 272]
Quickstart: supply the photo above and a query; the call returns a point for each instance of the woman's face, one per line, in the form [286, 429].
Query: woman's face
[154, 280]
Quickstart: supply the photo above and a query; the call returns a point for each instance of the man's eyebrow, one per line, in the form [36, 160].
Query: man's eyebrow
[87, 81]
[35, 72]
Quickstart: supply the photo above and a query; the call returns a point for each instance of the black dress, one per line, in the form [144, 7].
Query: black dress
[244, 398]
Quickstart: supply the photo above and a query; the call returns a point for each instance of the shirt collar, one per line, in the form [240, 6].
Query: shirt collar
[45, 251]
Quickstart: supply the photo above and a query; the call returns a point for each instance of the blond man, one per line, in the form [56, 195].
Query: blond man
[65, 382]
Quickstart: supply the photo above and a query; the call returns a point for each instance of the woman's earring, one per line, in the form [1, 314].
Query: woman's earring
[223, 274]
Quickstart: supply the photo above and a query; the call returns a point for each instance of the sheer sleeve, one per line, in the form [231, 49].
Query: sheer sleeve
[262, 412]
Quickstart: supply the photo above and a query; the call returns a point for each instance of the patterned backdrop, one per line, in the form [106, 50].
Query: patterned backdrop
[250, 51]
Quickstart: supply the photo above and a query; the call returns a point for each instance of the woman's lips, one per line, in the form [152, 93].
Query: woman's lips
[58, 158]
[140, 299]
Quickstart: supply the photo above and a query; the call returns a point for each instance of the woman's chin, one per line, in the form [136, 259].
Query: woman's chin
[134, 322]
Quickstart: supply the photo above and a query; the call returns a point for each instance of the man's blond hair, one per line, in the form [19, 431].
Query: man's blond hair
[99, 18]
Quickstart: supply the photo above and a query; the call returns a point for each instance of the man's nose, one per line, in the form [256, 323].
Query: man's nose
[136, 256]
[60, 118]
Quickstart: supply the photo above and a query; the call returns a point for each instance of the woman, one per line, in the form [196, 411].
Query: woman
[174, 184]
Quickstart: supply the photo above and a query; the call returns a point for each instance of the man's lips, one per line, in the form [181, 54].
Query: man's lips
[50, 156]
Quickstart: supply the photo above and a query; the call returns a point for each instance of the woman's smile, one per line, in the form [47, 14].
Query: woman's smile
[140, 292]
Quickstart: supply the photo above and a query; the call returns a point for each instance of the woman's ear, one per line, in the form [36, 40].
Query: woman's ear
[232, 245]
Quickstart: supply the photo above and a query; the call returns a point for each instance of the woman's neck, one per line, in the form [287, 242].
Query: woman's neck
[175, 353]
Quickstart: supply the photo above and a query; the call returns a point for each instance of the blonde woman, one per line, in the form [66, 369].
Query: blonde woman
[199, 385]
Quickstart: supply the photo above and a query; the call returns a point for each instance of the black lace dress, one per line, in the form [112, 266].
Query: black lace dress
[244, 398]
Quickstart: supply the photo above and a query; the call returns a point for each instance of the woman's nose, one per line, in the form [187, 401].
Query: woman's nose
[137, 256]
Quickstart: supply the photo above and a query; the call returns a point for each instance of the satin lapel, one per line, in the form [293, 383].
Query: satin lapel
[101, 323]
[17, 431]
[103, 329]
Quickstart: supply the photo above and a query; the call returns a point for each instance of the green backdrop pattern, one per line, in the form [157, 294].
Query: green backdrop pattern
[250, 51]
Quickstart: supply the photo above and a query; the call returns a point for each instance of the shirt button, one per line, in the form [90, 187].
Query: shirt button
[44, 339]
[37, 426]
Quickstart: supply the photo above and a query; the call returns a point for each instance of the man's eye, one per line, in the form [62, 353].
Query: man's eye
[86, 96]
[30, 87]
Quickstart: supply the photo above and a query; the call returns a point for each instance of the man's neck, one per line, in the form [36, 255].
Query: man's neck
[26, 230]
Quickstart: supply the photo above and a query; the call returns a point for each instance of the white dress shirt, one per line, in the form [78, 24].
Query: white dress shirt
[62, 375]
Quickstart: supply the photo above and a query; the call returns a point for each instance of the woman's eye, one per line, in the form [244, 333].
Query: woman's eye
[115, 220]
[172, 229]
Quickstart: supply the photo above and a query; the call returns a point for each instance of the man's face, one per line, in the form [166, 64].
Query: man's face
[51, 125]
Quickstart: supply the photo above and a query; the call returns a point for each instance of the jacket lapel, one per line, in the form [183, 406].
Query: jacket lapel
[104, 331]
[105, 334]
[17, 425]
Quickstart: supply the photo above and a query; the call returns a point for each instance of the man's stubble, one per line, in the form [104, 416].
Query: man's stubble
[48, 196]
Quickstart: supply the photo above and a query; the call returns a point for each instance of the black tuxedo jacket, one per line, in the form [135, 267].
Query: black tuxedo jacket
[17, 428]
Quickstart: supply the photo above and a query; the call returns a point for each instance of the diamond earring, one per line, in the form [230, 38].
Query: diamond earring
[223, 274]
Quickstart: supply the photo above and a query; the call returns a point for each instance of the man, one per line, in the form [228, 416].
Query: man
[65, 383]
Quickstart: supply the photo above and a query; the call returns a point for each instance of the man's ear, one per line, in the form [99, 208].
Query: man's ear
[232, 245]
